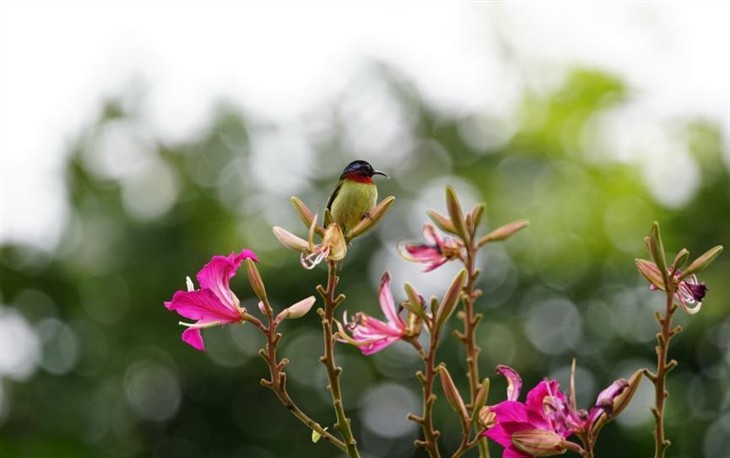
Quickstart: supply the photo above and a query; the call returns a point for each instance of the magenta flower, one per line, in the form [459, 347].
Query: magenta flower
[548, 417]
[511, 416]
[370, 334]
[435, 252]
[214, 303]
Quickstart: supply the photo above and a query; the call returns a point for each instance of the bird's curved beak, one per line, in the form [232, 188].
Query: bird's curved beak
[378, 172]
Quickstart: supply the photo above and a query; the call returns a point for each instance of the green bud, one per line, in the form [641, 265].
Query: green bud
[680, 259]
[451, 392]
[456, 213]
[451, 299]
[415, 301]
[503, 232]
[254, 278]
[443, 222]
[375, 216]
[656, 250]
[703, 262]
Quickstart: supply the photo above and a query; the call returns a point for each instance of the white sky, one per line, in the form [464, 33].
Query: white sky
[58, 58]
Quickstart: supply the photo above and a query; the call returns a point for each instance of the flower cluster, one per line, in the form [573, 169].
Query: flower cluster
[540, 425]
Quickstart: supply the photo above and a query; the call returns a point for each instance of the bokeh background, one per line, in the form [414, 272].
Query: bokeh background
[138, 139]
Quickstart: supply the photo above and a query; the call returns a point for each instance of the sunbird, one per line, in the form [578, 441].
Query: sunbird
[354, 195]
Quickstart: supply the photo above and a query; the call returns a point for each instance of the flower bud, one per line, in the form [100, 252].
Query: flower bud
[305, 215]
[455, 212]
[374, 216]
[451, 392]
[703, 262]
[254, 278]
[617, 396]
[503, 232]
[480, 399]
[650, 271]
[297, 310]
[414, 303]
[656, 250]
[443, 222]
[414, 324]
[486, 417]
[680, 259]
[538, 442]
[290, 240]
[451, 298]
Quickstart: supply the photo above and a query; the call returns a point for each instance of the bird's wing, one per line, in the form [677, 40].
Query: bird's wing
[336, 191]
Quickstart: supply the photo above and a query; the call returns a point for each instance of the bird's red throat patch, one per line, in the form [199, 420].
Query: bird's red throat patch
[356, 177]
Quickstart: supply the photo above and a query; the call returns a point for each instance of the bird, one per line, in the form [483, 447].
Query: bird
[354, 195]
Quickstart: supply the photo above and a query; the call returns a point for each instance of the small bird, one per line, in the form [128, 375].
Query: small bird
[354, 195]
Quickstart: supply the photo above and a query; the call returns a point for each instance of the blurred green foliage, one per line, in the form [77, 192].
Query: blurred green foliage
[114, 379]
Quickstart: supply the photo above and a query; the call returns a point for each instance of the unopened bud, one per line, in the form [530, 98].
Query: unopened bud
[414, 324]
[455, 212]
[538, 442]
[703, 262]
[620, 397]
[503, 232]
[290, 240]
[451, 392]
[481, 398]
[680, 259]
[650, 271]
[414, 303]
[656, 250]
[443, 222]
[297, 310]
[486, 417]
[374, 216]
[254, 278]
[305, 215]
[451, 298]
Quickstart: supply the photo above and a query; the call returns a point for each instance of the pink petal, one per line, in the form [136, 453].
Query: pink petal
[514, 381]
[422, 253]
[378, 345]
[545, 388]
[387, 304]
[194, 338]
[510, 411]
[202, 305]
[216, 275]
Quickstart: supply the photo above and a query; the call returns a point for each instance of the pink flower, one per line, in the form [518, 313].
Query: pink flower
[435, 252]
[537, 413]
[548, 417]
[214, 303]
[372, 335]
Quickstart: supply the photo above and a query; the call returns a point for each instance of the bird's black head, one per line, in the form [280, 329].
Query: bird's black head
[360, 169]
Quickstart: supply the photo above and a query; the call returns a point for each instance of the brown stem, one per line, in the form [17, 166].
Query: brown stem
[468, 338]
[663, 367]
[328, 359]
[430, 442]
[278, 377]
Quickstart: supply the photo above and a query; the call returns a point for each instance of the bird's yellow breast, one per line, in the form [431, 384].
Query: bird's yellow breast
[352, 202]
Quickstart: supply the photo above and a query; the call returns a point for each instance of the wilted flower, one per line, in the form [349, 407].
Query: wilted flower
[370, 334]
[690, 294]
[214, 303]
[435, 252]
